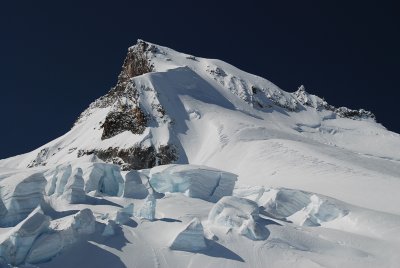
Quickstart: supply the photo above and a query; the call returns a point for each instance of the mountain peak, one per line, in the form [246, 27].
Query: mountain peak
[160, 93]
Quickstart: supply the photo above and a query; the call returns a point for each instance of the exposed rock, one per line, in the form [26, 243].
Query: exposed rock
[166, 155]
[137, 62]
[135, 157]
[354, 114]
[306, 99]
[40, 159]
[318, 103]
[117, 122]
[261, 98]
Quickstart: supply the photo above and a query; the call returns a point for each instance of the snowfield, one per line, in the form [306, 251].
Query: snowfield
[191, 162]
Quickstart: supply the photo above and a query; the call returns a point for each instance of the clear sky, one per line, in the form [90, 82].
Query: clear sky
[58, 56]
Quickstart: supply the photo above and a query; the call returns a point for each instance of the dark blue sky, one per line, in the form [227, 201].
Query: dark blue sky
[58, 56]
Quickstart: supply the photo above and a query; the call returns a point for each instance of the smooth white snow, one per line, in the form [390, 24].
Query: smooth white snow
[312, 189]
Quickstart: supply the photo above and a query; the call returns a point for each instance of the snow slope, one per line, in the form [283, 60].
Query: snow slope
[325, 179]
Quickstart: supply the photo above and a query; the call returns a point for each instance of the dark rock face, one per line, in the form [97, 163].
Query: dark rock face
[137, 62]
[354, 114]
[135, 157]
[117, 122]
[127, 114]
[166, 155]
[131, 158]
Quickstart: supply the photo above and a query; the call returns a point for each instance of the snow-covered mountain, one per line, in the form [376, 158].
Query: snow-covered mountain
[264, 177]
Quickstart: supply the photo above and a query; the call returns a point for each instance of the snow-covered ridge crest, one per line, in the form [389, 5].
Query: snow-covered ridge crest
[145, 57]
[147, 110]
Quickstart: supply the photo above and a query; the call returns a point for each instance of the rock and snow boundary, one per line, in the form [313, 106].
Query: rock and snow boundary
[191, 162]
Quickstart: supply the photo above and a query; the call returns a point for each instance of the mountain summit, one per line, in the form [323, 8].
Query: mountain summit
[189, 161]
[141, 121]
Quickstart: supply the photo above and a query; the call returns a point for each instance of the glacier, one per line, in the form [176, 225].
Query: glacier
[189, 161]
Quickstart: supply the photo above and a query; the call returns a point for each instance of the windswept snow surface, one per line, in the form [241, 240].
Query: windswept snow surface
[262, 178]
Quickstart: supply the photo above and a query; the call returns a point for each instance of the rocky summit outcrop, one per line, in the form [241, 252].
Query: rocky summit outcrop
[119, 121]
[136, 62]
[307, 99]
[128, 110]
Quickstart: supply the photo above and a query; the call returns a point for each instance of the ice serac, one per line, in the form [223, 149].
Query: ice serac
[109, 229]
[103, 178]
[134, 187]
[21, 194]
[123, 215]
[57, 179]
[67, 179]
[84, 222]
[195, 181]
[51, 242]
[148, 209]
[239, 214]
[17, 243]
[191, 238]
[301, 207]
[3, 209]
[74, 192]
[45, 247]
